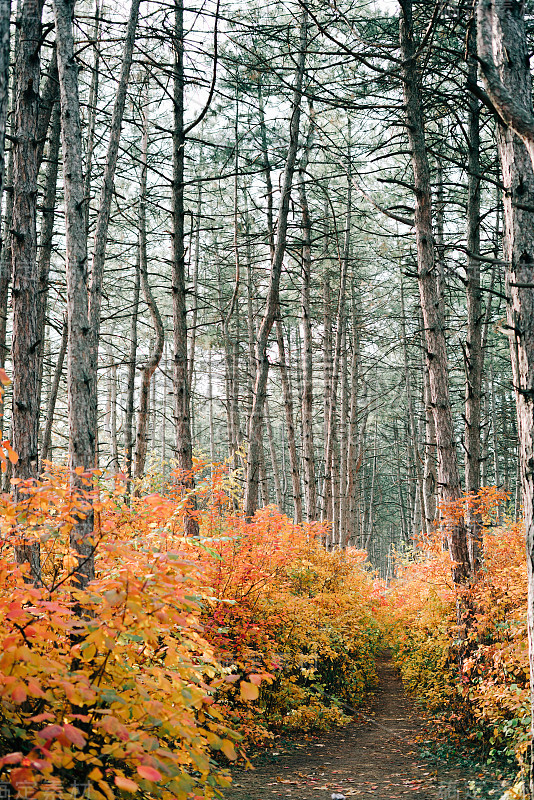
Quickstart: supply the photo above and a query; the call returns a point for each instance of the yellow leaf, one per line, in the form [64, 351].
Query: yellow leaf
[89, 652]
[249, 691]
[228, 749]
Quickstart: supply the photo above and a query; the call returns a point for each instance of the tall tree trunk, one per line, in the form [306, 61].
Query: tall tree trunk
[194, 288]
[273, 456]
[430, 481]
[290, 424]
[210, 409]
[104, 211]
[47, 235]
[164, 414]
[79, 362]
[354, 448]
[5, 250]
[326, 508]
[308, 451]
[46, 445]
[448, 473]
[504, 53]
[114, 446]
[474, 356]
[370, 515]
[184, 443]
[271, 310]
[5, 16]
[25, 347]
[331, 428]
[91, 112]
[130, 382]
[343, 443]
[156, 350]
[412, 426]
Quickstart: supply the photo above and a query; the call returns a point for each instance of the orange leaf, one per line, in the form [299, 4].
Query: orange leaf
[126, 784]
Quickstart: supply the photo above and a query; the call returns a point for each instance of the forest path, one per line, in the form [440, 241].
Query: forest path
[375, 756]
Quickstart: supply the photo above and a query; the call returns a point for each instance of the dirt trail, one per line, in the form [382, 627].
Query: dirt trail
[376, 756]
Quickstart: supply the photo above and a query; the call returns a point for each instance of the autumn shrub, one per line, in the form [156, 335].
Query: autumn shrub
[110, 689]
[180, 651]
[284, 608]
[476, 687]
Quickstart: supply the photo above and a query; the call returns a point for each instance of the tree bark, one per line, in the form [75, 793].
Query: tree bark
[503, 48]
[184, 443]
[5, 15]
[308, 450]
[448, 473]
[474, 355]
[47, 235]
[104, 211]
[326, 507]
[271, 310]
[52, 399]
[25, 345]
[273, 456]
[353, 451]
[290, 425]
[412, 426]
[130, 383]
[79, 362]
[156, 350]
[330, 469]
[91, 115]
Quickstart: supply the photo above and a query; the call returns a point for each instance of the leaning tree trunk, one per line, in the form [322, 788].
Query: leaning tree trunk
[448, 472]
[104, 211]
[504, 54]
[271, 310]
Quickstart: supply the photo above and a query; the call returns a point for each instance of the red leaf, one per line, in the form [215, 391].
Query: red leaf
[149, 773]
[74, 735]
[50, 732]
[11, 758]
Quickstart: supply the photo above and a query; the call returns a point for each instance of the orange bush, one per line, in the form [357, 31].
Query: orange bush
[485, 701]
[140, 681]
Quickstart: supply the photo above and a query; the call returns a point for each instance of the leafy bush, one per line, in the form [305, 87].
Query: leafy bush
[180, 651]
[483, 696]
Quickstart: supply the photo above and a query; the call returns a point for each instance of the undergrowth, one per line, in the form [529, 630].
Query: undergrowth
[182, 652]
[475, 689]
